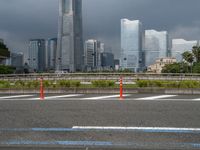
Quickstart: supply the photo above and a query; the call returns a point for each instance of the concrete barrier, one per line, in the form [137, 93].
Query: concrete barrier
[104, 91]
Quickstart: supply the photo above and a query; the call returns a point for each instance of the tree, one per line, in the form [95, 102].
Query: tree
[175, 68]
[188, 57]
[6, 69]
[196, 52]
[196, 68]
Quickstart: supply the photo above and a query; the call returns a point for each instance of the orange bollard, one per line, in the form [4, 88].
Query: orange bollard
[121, 89]
[41, 89]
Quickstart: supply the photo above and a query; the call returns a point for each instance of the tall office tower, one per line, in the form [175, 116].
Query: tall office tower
[92, 53]
[155, 46]
[131, 45]
[179, 46]
[70, 43]
[108, 61]
[37, 55]
[17, 60]
[51, 48]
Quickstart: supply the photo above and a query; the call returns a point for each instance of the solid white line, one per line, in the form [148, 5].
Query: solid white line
[53, 97]
[103, 97]
[15, 96]
[134, 128]
[156, 97]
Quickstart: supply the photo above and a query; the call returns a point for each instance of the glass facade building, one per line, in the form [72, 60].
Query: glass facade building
[179, 46]
[17, 60]
[92, 53]
[37, 55]
[69, 56]
[131, 45]
[155, 46]
[51, 48]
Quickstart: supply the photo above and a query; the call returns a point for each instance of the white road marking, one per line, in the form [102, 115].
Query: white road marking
[156, 97]
[54, 97]
[103, 97]
[136, 128]
[197, 99]
[15, 96]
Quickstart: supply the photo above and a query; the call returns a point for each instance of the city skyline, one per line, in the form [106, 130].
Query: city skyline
[31, 24]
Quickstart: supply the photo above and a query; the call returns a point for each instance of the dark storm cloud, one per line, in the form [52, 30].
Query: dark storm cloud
[25, 19]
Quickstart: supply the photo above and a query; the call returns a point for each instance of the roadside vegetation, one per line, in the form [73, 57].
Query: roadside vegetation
[168, 84]
[6, 69]
[64, 84]
[189, 64]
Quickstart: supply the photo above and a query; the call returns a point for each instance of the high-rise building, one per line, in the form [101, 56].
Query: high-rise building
[155, 46]
[17, 60]
[108, 61]
[92, 54]
[70, 44]
[51, 48]
[37, 55]
[131, 45]
[179, 46]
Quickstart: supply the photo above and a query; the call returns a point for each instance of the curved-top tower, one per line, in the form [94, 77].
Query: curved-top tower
[70, 42]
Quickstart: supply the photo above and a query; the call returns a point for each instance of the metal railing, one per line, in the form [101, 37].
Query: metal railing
[101, 76]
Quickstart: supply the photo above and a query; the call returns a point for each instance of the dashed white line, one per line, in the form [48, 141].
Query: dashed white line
[156, 97]
[54, 97]
[103, 97]
[197, 99]
[15, 96]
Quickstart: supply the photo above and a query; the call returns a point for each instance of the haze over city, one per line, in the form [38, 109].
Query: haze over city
[22, 20]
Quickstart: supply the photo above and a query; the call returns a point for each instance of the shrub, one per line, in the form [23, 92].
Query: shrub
[64, 83]
[142, 83]
[189, 84]
[168, 84]
[47, 83]
[4, 84]
[75, 83]
[19, 84]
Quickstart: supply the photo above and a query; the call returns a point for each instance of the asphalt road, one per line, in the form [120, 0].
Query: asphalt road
[96, 122]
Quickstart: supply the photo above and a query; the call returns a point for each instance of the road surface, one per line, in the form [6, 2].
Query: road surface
[96, 122]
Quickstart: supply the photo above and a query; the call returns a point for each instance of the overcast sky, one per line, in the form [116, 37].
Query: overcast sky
[21, 20]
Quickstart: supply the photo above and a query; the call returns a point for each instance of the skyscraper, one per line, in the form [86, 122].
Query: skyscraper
[37, 54]
[92, 52]
[156, 46]
[51, 48]
[131, 45]
[70, 43]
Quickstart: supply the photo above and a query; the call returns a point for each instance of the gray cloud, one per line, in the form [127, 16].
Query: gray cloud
[25, 19]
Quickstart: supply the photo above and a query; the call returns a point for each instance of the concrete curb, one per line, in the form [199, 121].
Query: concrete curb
[104, 91]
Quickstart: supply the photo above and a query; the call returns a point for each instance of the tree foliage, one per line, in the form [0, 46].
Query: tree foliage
[176, 68]
[196, 53]
[6, 69]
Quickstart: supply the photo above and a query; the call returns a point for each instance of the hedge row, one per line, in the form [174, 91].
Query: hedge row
[36, 84]
[98, 84]
[168, 84]
[54, 84]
